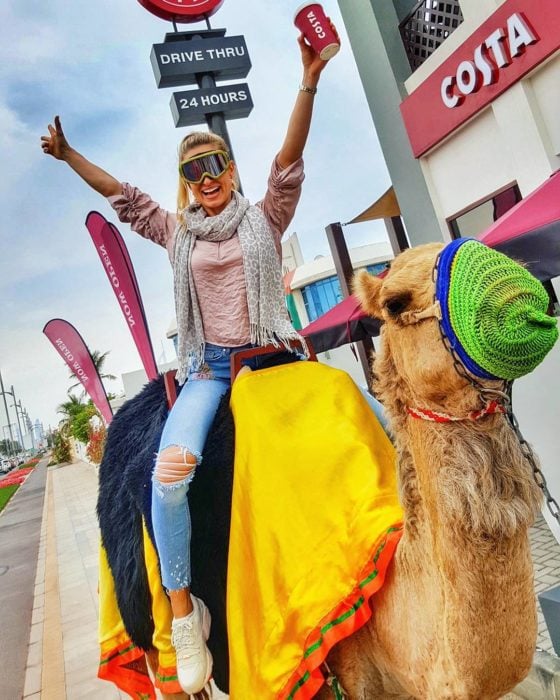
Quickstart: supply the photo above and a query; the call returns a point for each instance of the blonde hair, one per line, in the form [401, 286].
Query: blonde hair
[198, 138]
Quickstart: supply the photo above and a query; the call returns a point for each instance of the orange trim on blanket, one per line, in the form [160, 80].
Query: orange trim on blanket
[112, 667]
[351, 614]
[167, 681]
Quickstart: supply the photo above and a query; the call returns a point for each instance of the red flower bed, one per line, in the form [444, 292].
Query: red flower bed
[17, 477]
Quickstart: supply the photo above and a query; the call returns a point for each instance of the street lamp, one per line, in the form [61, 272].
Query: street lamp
[20, 411]
[13, 395]
[10, 443]
[29, 427]
[6, 406]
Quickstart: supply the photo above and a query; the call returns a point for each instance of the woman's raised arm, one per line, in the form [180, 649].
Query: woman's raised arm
[56, 145]
[300, 119]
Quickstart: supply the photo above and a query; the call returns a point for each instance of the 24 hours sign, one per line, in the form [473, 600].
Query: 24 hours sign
[182, 10]
[192, 106]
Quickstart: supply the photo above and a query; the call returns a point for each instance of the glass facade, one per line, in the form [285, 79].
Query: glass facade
[319, 297]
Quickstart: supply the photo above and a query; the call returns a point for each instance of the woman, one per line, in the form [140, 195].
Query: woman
[225, 255]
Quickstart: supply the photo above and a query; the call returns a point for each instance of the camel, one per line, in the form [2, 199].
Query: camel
[456, 618]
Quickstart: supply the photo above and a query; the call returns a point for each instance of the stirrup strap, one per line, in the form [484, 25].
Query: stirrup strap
[332, 681]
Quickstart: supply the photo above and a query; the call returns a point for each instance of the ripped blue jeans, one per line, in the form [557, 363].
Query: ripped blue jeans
[187, 427]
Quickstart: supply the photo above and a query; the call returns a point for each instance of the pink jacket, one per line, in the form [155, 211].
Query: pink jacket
[217, 267]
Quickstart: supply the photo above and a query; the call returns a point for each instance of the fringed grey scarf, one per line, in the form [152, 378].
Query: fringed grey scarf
[268, 317]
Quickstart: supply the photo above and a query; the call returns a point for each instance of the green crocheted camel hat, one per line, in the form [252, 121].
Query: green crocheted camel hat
[493, 311]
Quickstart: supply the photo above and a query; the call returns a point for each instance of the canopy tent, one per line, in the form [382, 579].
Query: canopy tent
[530, 231]
[386, 207]
[344, 323]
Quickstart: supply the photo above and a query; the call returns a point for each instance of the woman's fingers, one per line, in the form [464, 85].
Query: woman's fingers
[47, 141]
[58, 126]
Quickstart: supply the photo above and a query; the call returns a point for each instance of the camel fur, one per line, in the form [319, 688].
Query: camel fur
[456, 619]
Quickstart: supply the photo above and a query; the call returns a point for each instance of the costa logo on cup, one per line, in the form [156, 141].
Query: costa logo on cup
[182, 10]
[312, 22]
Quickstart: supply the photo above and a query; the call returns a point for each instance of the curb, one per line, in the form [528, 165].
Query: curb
[543, 681]
[34, 665]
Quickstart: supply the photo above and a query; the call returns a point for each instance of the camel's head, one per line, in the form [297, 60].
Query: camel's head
[492, 311]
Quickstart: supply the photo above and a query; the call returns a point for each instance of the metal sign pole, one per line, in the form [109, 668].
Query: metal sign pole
[345, 272]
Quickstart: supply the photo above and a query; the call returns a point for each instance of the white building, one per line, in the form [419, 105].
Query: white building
[465, 97]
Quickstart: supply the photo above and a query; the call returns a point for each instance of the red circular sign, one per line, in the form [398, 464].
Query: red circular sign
[182, 10]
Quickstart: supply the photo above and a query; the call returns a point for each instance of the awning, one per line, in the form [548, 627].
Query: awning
[344, 323]
[384, 208]
[530, 231]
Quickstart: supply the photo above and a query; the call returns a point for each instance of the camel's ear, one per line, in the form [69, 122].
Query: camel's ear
[367, 287]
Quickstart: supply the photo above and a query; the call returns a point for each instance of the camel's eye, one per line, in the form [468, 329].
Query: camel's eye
[396, 305]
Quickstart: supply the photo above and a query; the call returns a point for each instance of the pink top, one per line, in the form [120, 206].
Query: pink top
[217, 268]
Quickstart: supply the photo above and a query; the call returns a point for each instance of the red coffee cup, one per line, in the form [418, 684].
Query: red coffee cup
[312, 22]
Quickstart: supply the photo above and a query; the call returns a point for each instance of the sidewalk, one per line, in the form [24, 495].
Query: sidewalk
[63, 652]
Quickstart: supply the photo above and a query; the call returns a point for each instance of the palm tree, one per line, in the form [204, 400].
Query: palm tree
[98, 360]
[69, 410]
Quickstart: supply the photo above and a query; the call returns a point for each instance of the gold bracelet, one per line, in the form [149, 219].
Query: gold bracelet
[311, 91]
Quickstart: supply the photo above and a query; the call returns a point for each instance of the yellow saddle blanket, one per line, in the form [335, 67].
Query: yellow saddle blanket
[315, 522]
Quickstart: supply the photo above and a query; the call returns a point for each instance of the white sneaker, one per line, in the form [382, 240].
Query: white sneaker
[194, 660]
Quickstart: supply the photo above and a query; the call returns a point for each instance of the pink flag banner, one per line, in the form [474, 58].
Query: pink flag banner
[116, 260]
[71, 347]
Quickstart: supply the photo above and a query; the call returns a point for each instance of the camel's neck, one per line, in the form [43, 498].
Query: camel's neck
[468, 485]
[463, 567]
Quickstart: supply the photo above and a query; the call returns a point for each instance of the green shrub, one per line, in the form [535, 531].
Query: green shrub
[80, 427]
[61, 450]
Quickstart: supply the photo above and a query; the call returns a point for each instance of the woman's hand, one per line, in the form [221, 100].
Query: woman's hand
[312, 63]
[56, 144]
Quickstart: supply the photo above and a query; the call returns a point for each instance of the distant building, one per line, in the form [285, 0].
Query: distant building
[313, 289]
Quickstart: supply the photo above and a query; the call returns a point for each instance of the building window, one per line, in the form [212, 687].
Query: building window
[472, 222]
[427, 27]
[376, 268]
[321, 296]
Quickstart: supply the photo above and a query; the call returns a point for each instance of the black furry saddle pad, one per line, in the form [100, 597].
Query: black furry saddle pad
[125, 496]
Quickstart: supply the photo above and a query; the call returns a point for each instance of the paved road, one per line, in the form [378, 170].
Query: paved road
[20, 529]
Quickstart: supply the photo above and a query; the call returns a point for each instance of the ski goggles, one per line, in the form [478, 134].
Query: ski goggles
[212, 164]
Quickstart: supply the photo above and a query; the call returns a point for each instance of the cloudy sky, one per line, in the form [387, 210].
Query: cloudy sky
[89, 62]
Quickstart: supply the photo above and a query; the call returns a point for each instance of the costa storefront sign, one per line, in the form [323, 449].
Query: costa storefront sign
[515, 39]
[496, 52]
[182, 10]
